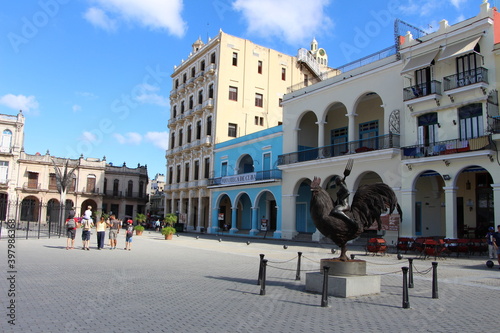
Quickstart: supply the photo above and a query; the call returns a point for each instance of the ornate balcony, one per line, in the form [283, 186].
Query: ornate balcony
[341, 149]
[432, 89]
[445, 147]
[478, 75]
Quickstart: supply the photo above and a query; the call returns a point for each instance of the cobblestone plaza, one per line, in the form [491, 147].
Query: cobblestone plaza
[209, 284]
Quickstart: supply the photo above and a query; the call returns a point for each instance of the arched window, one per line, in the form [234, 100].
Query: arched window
[130, 188]
[91, 180]
[116, 183]
[141, 189]
[6, 141]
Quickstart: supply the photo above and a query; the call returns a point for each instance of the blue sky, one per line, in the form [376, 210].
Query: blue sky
[93, 76]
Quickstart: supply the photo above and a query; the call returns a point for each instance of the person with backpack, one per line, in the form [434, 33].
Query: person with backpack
[129, 232]
[70, 232]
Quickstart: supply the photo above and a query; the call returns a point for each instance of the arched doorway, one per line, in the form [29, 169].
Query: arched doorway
[30, 209]
[303, 220]
[85, 204]
[430, 217]
[475, 208]
[244, 213]
[224, 215]
[4, 201]
[53, 210]
[266, 209]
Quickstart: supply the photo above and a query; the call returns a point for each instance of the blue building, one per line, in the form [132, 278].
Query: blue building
[246, 187]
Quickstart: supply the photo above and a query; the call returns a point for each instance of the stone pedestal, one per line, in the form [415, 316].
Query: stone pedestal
[345, 279]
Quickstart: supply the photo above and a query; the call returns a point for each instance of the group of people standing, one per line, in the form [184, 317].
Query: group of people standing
[87, 223]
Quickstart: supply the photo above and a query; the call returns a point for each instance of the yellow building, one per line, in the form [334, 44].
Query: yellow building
[226, 88]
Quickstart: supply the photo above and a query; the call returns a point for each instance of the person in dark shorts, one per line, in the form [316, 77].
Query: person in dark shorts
[86, 227]
[128, 235]
[114, 230]
[70, 232]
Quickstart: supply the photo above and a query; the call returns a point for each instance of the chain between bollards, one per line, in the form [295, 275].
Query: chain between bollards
[297, 276]
[324, 296]
[260, 269]
[263, 281]
[410, 273]
[434, 280]
[406, 301]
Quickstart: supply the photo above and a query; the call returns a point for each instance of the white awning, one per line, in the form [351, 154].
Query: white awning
[465, 46]
[420, 61]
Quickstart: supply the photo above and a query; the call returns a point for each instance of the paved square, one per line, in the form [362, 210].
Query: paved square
[203, 285]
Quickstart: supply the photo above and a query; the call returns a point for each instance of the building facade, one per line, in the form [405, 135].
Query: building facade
[156, 207]
[422, 118]
[125, 190]
[227, 88]
[29, 189]
[246, 187]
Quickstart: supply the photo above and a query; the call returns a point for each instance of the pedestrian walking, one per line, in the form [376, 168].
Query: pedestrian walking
[70, 233]
[87, 225]
[101, 232]
[128, 235]
[114, 230]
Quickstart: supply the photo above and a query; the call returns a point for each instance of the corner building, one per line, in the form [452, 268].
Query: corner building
[227, 88]
[421, 116]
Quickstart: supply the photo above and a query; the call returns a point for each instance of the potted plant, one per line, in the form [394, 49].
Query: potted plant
[168, 232]
[170, 219]
[140, 218]
[138, 229]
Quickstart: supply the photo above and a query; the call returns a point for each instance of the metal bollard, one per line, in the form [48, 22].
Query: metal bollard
[297, 276]
[260, 269]
[410, 273]
[263, 282]
[324, 296]
[406, 301]
[434, 280]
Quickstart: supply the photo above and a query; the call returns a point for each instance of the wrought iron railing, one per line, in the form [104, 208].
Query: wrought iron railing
[494, 124]
[421, 90]
[466, 78]
[245, 178]
[385, 53]
[353, 147]
[445, 147]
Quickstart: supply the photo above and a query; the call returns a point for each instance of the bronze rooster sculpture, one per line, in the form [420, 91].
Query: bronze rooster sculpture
[369, 202]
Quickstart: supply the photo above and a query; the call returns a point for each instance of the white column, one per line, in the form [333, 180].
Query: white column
[200, 211]
[450, 194]
[351, 129]
[321, 133]
[408, 208]
[189, 225]
[496, 204]
[288, 217]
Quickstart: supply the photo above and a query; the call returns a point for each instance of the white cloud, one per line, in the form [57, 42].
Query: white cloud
[88, 136]
[148, 96]
[20, 102]
[292, 20]
[86, 94]
[159, 139]
[100, 19]
[131, 138]
[153, 14]
[76, 108]
[457, 3]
